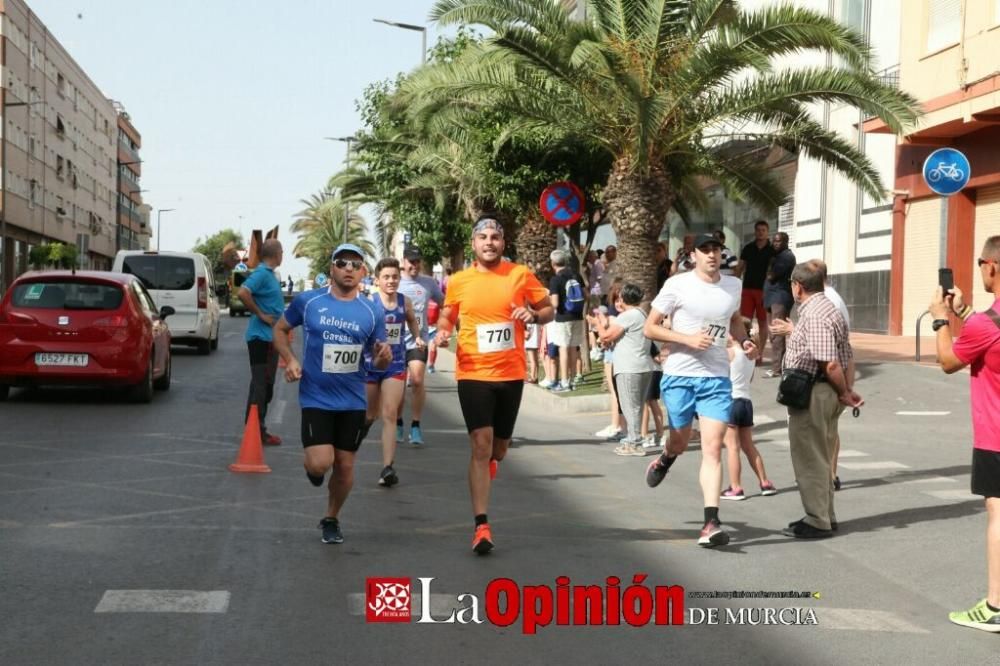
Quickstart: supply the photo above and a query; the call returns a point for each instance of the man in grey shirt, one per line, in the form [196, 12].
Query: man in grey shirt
[420, 289]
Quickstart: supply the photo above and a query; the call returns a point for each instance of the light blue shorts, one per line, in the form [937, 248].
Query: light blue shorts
[708, 397]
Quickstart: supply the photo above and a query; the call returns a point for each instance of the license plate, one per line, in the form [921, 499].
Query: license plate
[51, 358]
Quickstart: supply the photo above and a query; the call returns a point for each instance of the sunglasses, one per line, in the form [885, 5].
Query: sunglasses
[980, 262]
[356, 264]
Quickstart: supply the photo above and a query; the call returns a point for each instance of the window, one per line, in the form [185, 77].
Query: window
[160, 272]
[33, 192]
[852, 14]
[59, 167]
[68, 295]
[944, 24]
[61, 85]
[60, 126]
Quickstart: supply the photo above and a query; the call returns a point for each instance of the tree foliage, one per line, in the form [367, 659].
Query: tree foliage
[212, 247]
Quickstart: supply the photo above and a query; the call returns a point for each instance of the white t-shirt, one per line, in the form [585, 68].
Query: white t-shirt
[741, 372]
[835, 298]
[693, 306]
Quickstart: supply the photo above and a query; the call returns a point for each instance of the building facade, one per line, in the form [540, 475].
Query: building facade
[130, 224]
[948, 62]
[58, 149]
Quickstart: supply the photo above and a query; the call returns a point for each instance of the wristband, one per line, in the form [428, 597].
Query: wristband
[966, 313]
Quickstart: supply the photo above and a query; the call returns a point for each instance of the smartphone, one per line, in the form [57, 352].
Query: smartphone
[946, 279]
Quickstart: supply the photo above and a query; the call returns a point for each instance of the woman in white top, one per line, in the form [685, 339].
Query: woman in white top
[739, 434]
[633, 366]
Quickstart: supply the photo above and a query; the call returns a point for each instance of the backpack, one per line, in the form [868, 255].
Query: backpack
[575, 298]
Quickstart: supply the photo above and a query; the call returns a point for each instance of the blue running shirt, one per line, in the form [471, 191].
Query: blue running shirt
[336, 336]
[395, 326]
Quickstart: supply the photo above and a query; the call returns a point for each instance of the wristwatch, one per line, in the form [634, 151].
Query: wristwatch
[938, 323]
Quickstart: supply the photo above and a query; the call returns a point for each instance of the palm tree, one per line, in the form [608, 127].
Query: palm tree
[320, 226]
[662, 87]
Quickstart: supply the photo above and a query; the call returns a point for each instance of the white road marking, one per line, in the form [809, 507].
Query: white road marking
[863, 619]
[929, 479]
[851, 453]
[279, 412]
[163, 601]
[954, 495]
[922, 413]
[888, 464]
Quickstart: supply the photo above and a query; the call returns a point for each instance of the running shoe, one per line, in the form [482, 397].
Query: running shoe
[771, 374]
[561, 388]
[767, 489]
[315, 480]
[388, 477]
[399, 434]
[605, 432]
[271, 440]
[482, 541]
[836, 483]
[545, 383]
[617, 437]
[331, 531]
[800, 529]
[430, 369]
[577, 381]
[655, 472]
[712, 535]
[416, 436]
[736, 494]
[494, 467]
[978, 617]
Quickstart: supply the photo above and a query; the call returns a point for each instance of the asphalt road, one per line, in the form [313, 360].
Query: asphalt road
[112, 514]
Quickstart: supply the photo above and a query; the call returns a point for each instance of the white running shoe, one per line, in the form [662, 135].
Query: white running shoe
[609, 431]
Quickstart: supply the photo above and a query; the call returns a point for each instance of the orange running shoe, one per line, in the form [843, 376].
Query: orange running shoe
[493, 468]
[482, 542]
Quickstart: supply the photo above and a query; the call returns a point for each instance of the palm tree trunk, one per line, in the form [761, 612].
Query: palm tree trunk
[535, 241]
[637, 204]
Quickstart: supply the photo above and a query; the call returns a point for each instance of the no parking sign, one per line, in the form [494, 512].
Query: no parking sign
[562, 203]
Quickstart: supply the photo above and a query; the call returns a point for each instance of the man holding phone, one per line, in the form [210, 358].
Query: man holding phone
[978, 347]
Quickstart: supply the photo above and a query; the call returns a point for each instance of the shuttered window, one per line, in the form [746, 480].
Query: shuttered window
[987, 224]
[944, 23]
[921, 259]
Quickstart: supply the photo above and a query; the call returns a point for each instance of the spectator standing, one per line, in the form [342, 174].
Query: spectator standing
[684, 261]
[979, 348]
[567, 296]
[610, 270]
[778, 298]
[729, 260]
[819, 355]
[754, 261]
[261, 294]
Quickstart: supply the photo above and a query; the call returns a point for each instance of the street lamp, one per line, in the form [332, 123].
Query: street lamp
[409, 26]
[3, 193]
[158, 213]
[347, 212]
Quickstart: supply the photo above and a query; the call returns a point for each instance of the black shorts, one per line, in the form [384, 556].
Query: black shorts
[416, 354]
[741, 413]
[985, 473]
[342, 429]
[653, 393]
[490, 404]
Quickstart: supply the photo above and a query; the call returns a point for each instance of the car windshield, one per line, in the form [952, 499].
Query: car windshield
[161, 273]
[67, 296]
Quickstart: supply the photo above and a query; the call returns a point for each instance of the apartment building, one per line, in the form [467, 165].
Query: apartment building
[59, 149]
[131, 227]
[948, 61]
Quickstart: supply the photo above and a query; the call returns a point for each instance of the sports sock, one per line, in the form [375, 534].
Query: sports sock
[414, 424]
[992, 609]
[712, 514]
[399, 422]
[666, 460]
[481, 519]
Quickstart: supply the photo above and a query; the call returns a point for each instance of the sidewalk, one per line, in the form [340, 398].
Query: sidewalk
[871, 348]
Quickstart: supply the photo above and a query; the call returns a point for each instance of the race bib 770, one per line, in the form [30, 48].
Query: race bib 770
[492, 338]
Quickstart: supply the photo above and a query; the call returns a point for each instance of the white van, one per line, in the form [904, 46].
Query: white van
[184, 281]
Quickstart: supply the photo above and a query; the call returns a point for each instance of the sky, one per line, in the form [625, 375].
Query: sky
[233, 98]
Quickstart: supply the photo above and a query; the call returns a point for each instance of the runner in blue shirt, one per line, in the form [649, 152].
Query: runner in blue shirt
[420, 289]
[386, 387]
[339, 328]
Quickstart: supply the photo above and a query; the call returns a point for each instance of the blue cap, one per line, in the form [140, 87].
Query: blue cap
[347, 247]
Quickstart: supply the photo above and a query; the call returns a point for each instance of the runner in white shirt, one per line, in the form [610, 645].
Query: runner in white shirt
[703, 307]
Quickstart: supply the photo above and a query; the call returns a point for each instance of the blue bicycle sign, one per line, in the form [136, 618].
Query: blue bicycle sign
[946, 171]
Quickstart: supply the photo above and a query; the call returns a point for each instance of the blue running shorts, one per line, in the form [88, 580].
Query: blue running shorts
[708, 397]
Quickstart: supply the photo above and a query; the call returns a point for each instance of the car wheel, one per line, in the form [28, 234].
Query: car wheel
[143, 391]
[4, 392]
[163, 382]
[215, 341]
[204, 347]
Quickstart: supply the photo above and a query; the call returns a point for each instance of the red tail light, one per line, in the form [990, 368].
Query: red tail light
[202, 293]
[114, 321]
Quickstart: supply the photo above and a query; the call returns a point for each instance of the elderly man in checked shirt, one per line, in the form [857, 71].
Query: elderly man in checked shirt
[820, 346]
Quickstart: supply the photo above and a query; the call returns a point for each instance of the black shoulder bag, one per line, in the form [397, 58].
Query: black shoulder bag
[795, 389]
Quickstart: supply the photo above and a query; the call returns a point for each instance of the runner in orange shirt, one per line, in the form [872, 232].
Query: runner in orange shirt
[494, 300]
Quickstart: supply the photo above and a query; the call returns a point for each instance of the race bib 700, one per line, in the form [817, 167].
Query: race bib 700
[340, 359]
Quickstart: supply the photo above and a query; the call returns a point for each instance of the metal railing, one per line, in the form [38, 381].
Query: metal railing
[919, 321]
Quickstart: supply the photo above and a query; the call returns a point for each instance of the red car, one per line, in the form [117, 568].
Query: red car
[83, 328]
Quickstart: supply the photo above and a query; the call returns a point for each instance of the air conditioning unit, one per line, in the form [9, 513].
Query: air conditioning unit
[60, 211]
[95, 228]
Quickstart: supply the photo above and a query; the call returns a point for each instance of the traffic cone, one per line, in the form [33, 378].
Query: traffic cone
[251, 455]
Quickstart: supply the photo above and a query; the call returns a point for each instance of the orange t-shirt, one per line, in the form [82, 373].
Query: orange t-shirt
[490, 343]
